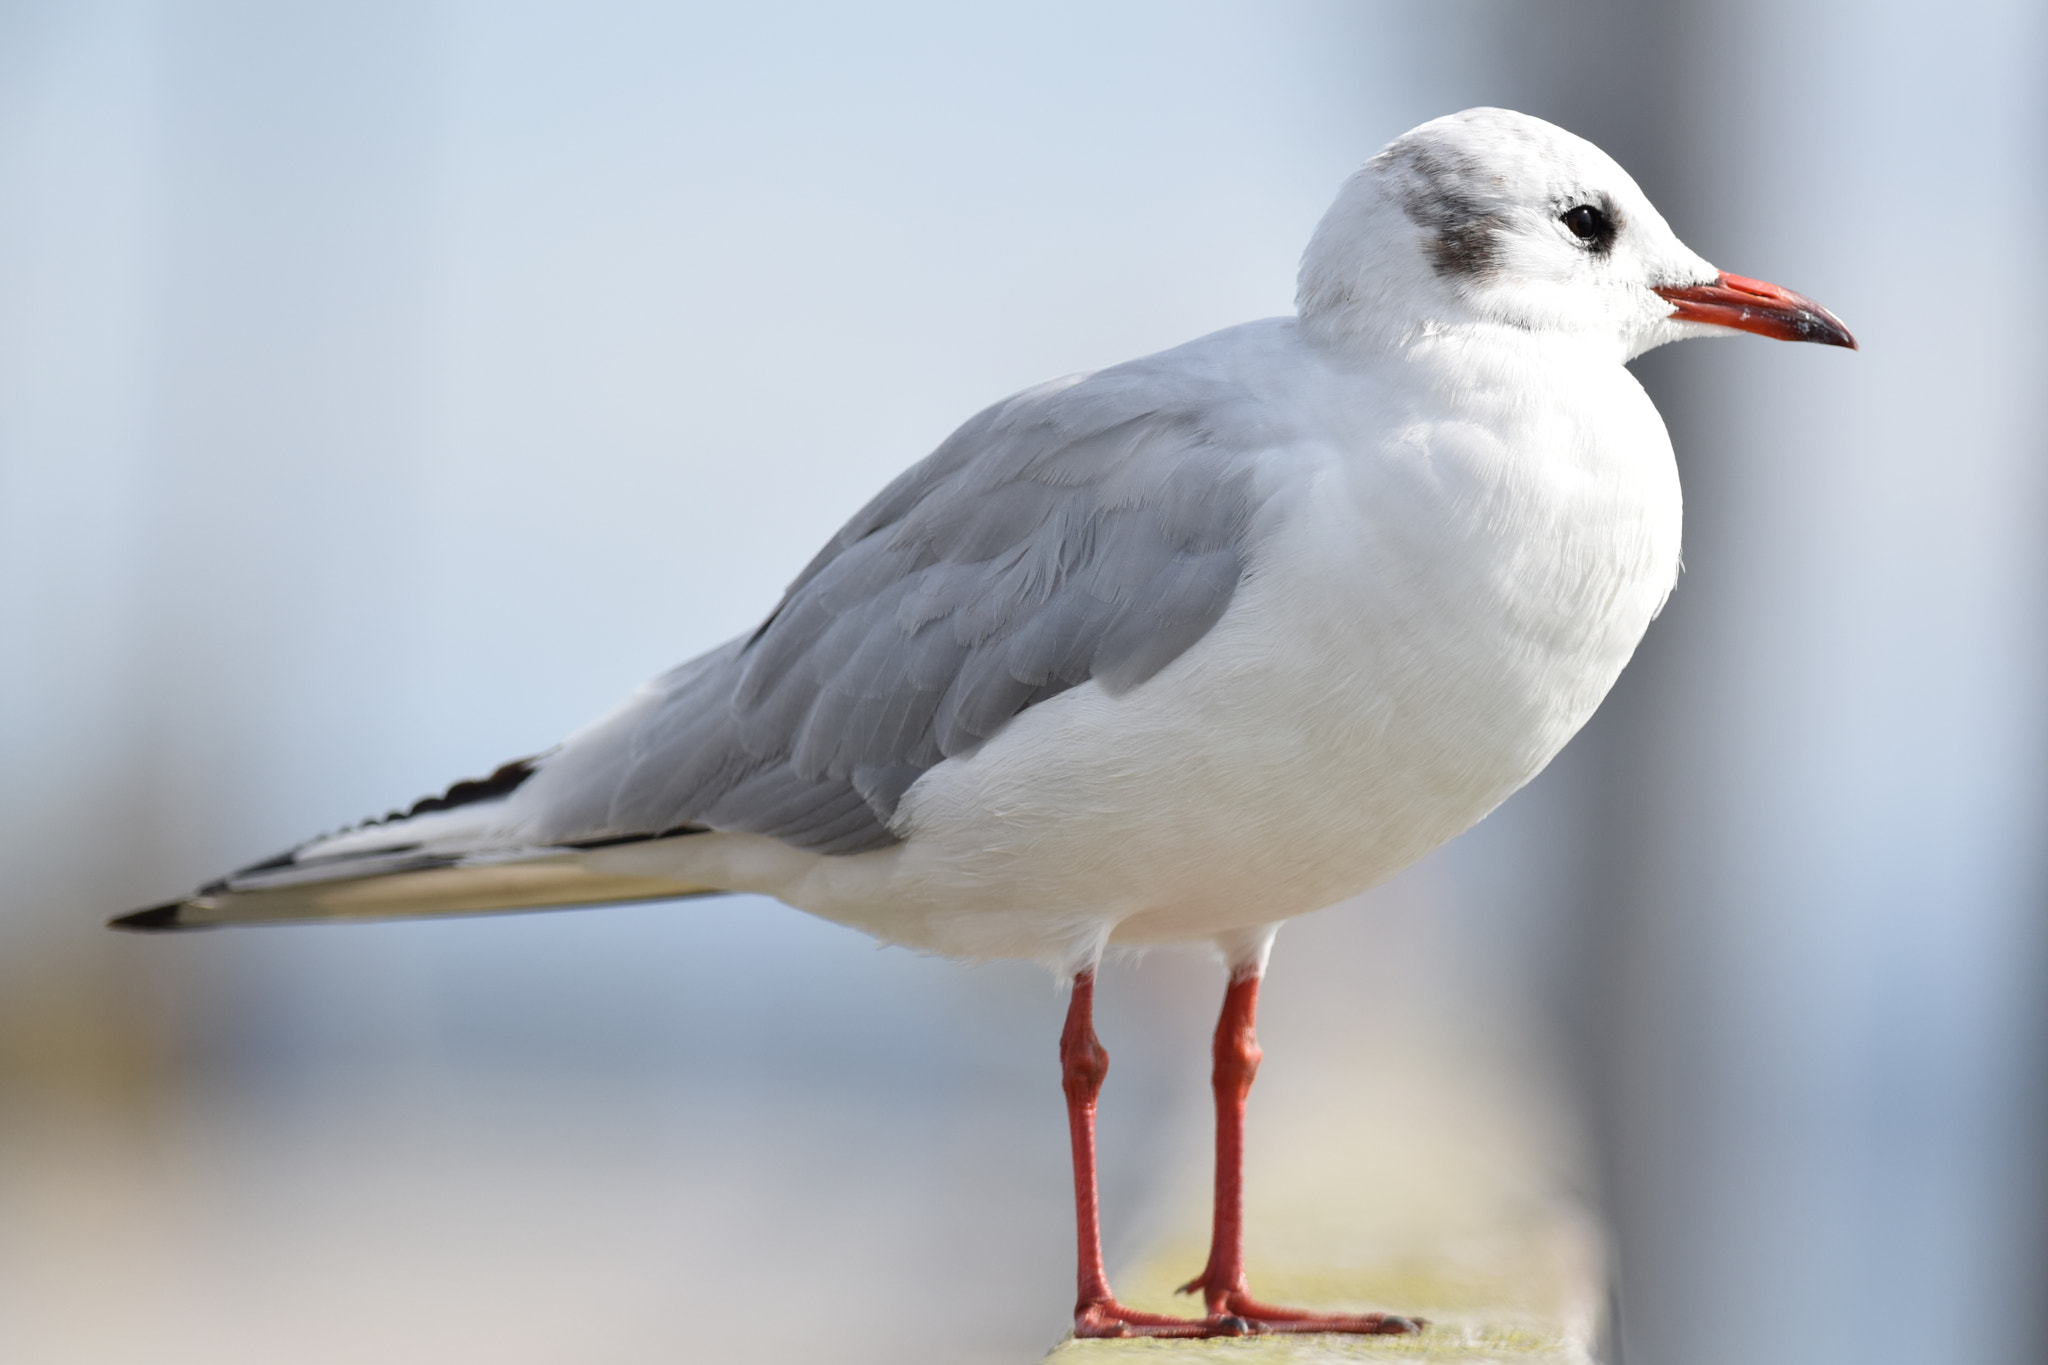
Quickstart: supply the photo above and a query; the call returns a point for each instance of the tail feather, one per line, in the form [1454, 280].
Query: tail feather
[543, 880]
[454, 854]
[155, 920]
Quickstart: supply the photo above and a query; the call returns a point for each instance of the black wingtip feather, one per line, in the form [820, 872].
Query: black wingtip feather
[503, 782]
[155, 920]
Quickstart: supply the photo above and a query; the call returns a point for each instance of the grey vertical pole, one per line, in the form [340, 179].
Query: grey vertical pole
[1811, 816]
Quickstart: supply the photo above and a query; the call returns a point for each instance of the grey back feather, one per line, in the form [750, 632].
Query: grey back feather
[1091, 528]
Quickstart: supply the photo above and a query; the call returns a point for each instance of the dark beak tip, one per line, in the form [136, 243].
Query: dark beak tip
[1817, 324]
[1830, 332]
[1766, 310]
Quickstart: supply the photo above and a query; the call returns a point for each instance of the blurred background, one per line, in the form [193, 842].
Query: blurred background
[385, 389]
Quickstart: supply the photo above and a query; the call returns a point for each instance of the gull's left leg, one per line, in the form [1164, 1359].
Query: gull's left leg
[1083, 1064]
[1222, 1281]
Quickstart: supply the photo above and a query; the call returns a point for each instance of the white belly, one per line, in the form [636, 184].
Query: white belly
[1420, 635]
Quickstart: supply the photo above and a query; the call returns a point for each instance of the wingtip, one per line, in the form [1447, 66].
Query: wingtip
[156, 919]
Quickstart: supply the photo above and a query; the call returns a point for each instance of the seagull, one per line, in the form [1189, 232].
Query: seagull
[1166, 653]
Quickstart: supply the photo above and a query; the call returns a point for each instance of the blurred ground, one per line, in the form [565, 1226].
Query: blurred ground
[866, 1168]
[453, 1154]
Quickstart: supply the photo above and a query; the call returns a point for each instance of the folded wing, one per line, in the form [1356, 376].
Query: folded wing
[1089, 529]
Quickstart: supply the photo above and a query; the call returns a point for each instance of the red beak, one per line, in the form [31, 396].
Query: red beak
[1753, 306]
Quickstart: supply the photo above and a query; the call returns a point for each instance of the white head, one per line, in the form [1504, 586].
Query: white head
[1493, 217]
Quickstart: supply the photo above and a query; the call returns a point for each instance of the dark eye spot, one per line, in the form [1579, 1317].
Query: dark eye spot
[1591, 225]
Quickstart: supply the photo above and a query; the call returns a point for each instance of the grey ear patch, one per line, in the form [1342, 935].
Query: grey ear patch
[1441, 199]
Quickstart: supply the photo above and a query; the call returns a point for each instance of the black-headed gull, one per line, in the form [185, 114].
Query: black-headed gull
[1165, 653]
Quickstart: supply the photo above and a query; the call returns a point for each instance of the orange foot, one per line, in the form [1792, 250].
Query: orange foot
[1236, 1305]
[1108, 1318]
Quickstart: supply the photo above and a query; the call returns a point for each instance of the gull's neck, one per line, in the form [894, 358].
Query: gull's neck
[1366, 338]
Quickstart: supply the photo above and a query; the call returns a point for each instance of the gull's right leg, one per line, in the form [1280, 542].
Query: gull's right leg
[1083, 1064]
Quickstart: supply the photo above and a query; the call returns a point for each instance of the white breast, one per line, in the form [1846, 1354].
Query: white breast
[1448, 581]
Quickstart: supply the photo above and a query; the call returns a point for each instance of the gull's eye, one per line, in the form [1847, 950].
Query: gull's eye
[1590, 225]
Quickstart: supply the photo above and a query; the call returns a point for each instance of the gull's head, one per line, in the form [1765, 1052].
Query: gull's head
[1493, 217]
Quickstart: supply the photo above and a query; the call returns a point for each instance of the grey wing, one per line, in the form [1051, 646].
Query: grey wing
[1090, 529]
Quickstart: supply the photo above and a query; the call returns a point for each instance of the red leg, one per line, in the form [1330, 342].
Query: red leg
[1083, 1064]
[1222, 1281]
